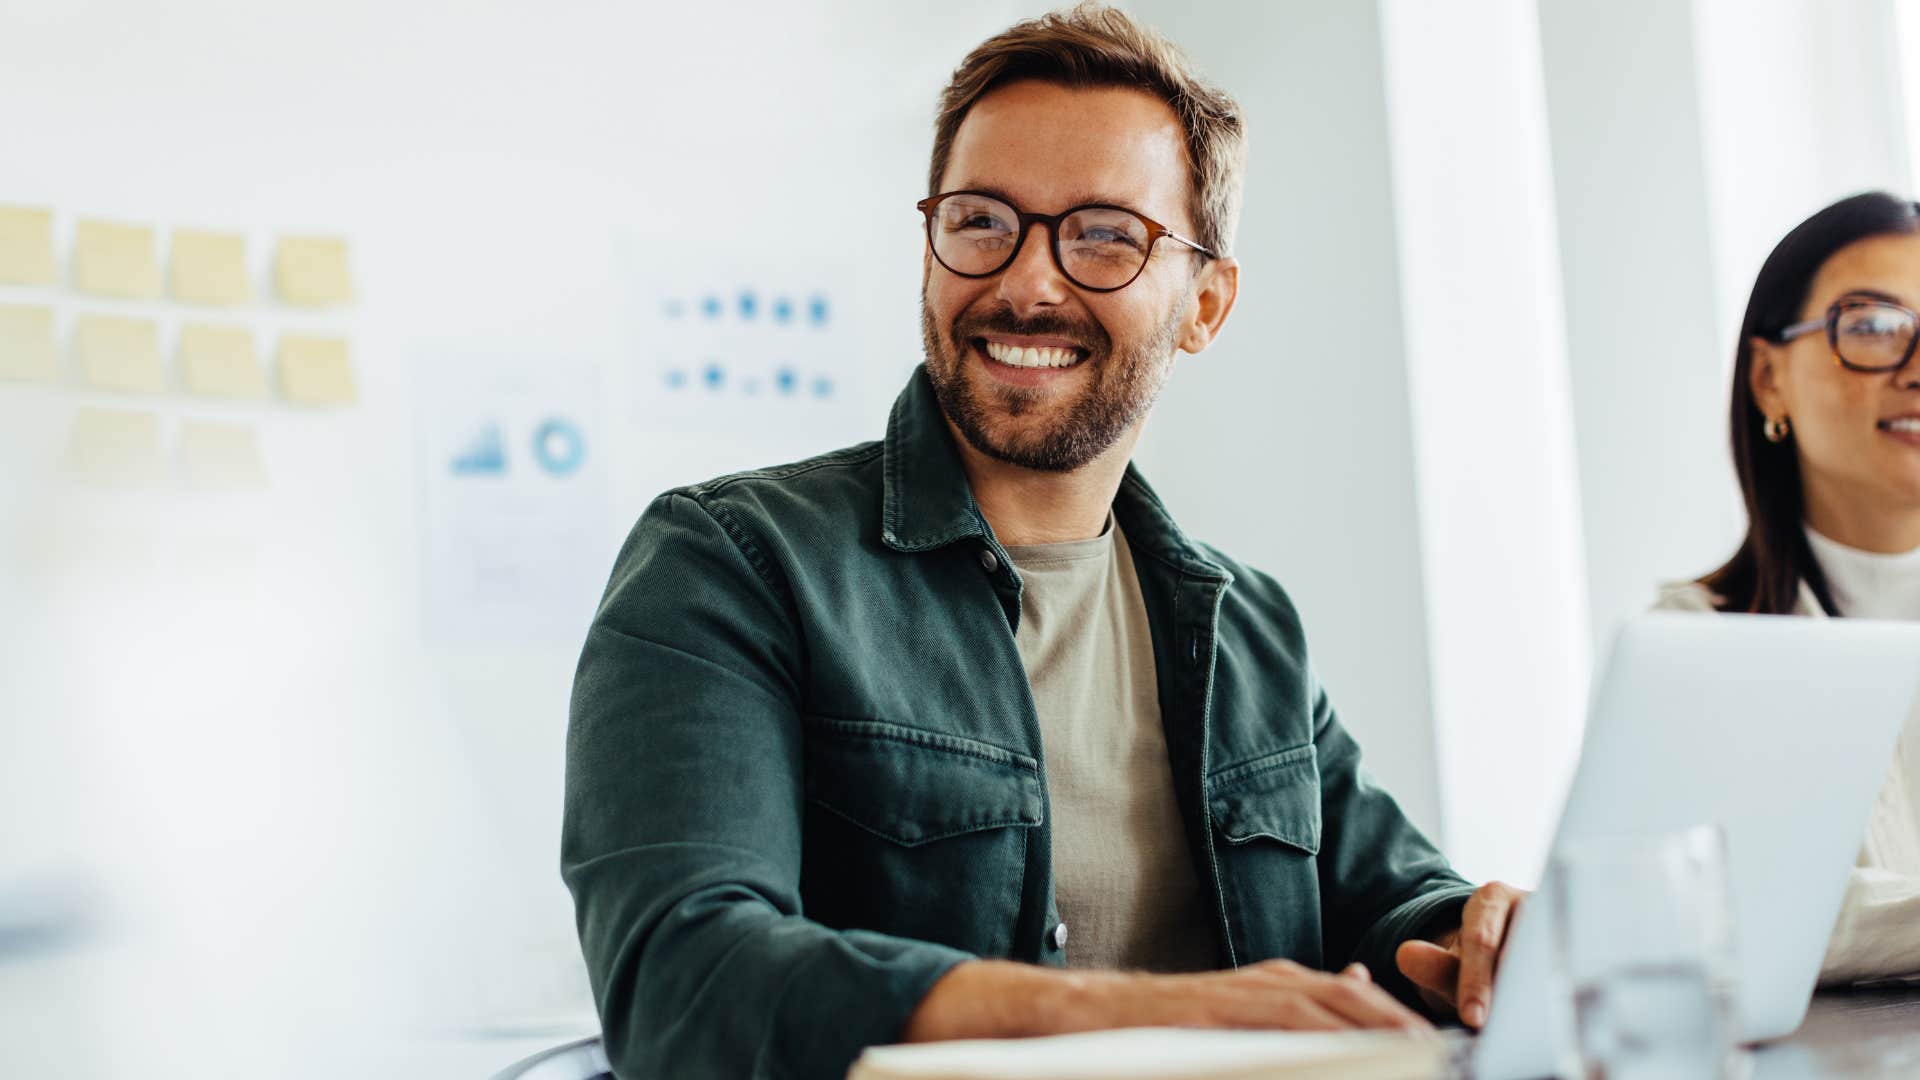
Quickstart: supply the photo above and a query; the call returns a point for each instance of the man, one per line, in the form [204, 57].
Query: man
[857, 741]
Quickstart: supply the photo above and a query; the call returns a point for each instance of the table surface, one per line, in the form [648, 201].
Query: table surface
[1859, 1034]
[1845, 1035]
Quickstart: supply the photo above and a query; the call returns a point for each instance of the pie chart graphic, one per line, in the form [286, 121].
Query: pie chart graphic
[559, 447]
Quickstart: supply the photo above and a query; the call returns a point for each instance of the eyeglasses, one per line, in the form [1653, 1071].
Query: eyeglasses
[1100, 248]
[1865, 335]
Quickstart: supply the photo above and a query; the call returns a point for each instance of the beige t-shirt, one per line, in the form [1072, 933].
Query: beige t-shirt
[1123, 880]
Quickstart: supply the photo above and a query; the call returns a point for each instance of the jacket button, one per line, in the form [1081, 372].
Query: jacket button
[1058, 936]
[988, 560]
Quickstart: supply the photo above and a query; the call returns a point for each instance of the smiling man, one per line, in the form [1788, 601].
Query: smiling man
[957, 734]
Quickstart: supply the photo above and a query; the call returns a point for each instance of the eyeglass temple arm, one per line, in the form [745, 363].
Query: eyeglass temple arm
[1802, 329]
[1171, 235]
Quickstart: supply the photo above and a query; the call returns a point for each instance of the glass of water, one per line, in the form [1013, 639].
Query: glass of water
[1644, 941]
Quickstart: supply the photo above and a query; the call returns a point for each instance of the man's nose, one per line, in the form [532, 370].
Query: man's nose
[1032, 281]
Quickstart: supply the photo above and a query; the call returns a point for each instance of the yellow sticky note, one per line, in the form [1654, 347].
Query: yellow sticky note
[221, 361]
[315, 370]
[115, 448]
[120, 354]
[26, 246]
[210, 268]
[221, 456]
[311, 271]
[26, 343]
[115, 260]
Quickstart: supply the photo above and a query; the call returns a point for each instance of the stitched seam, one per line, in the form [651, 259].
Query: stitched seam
[1279, 759]
[890, 475]
[1026, 850]
[938, 541]
[958, 830]
[742, 540]
[1206, 725]
[952, 744]
[1300, 843]
[715, 665]
[852, 455]
[1304, 839]
[636, 849]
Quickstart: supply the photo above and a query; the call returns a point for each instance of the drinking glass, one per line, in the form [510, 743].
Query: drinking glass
[1644, 942]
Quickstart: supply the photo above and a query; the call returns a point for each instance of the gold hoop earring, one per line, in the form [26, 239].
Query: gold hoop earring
[1777, 430]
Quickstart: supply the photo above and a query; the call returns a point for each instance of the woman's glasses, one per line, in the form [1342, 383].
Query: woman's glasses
[1865, 335]
[1099, 248]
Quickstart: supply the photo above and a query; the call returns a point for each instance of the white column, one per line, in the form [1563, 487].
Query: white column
[1801, 103]
[1493, 425]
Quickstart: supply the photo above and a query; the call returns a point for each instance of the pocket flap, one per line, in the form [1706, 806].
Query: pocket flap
[914, 787]
[1276, 797]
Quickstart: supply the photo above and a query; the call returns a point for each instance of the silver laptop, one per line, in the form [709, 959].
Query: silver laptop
[1779, 729]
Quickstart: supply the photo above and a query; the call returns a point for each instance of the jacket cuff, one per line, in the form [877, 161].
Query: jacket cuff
[826, 1023]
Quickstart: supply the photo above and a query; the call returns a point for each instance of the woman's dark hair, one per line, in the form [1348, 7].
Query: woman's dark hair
[1764, 576]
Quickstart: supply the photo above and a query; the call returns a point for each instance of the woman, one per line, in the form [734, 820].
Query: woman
[1826, 440]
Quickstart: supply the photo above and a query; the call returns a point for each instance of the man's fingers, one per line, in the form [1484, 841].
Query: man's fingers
[1299, 1012]
[1357, 971]
[1429, 966]
[1366, 1005]
[1483, 927]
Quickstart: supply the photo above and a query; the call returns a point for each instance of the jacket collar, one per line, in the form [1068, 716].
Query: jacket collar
[927, 501]
[928, 504]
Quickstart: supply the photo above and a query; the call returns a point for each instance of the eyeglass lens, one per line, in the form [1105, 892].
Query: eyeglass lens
[1099, 248]
[1873, 337]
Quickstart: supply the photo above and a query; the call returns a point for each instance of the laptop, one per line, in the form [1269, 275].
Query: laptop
[1780, 729]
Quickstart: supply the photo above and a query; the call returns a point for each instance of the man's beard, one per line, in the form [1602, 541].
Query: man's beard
[1123, 385]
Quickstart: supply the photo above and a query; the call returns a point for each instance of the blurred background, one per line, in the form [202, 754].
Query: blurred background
[340, 345]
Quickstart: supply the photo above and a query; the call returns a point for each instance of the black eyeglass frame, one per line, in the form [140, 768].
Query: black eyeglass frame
[1155, 231]
[1831, 322]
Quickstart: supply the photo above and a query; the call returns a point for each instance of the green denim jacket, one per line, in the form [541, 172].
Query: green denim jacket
[804, 771]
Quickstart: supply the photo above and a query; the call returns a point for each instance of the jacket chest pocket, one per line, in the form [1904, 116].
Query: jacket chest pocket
[916, 833]
[1266, 816]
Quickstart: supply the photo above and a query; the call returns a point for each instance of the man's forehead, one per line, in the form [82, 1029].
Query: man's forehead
[1049, 147]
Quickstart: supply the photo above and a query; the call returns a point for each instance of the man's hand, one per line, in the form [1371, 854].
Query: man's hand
[1000, 999]
[1455, 973]
[1282, 994]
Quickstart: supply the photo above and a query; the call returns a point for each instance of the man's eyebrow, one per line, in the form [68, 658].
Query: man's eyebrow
[1079, 198]
[984, 188]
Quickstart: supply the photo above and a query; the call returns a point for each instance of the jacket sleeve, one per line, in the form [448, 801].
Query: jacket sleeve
[681, 835]
[1381, 881]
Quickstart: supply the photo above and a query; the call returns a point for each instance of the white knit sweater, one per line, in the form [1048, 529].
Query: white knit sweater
[1878, 932]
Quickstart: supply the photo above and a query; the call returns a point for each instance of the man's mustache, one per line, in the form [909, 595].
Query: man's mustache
[1087, 334]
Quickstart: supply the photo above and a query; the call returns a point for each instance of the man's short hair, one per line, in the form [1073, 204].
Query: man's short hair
[1093, 45]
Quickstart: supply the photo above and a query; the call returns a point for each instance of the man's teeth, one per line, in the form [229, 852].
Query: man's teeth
[1909, 425]
[1018, 356]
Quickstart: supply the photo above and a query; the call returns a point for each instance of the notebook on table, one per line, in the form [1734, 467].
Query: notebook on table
[1164, 1054]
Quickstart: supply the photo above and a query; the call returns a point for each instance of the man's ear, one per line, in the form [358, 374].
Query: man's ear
[1764, 378]
[1212, 302]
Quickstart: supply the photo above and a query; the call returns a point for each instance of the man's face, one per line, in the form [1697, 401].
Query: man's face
[1046, 148]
